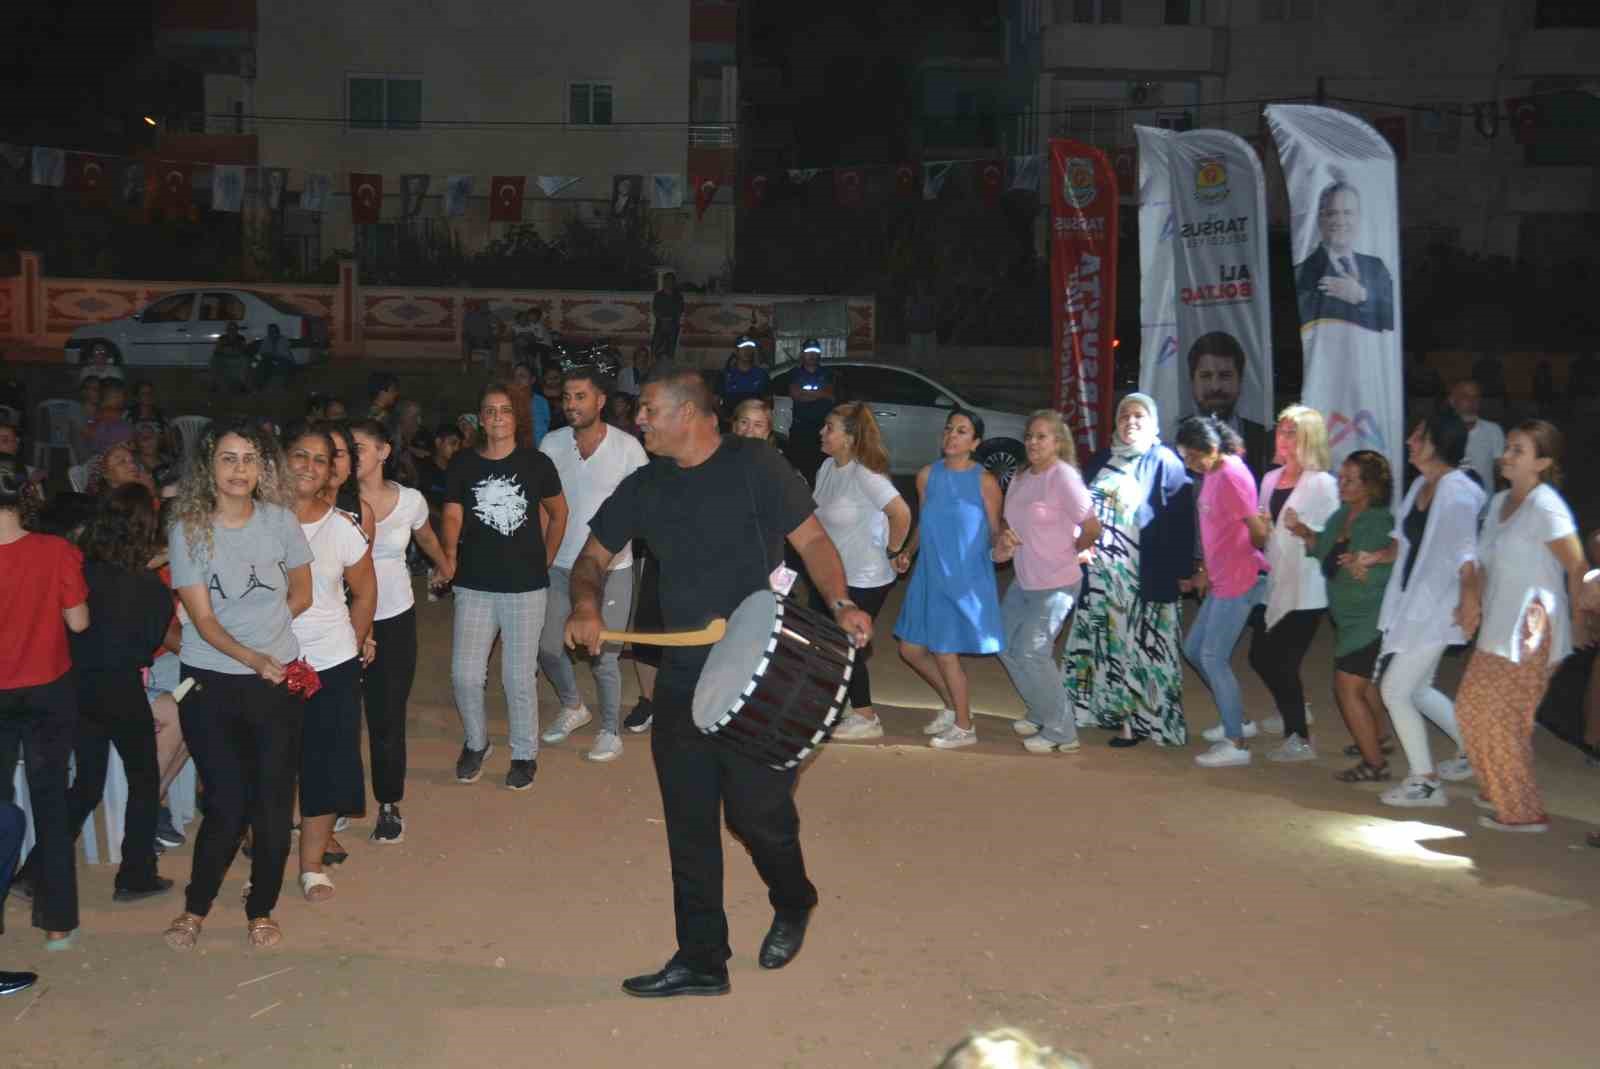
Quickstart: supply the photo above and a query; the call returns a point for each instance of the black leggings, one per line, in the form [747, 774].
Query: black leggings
[870, 600]
[114, 711]
[387, 686]
[1276, 655]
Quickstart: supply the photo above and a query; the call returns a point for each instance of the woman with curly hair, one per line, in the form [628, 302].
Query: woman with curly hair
[242, 569]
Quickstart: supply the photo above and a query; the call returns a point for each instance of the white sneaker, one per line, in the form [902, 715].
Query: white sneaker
[569, 721]
[340, 825]
[1274, 723]
[857, 728]
[1456, 769]
[1025, 727]
[941, 723]
[1040, 744]
[1220, 733]
[1537, 827]
[954, 737]
[607, 747]
[1223, 755]
[1482, 803]
[1415, 792]
[1293, 748]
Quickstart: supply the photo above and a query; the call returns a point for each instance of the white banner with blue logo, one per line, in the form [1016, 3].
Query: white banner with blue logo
[1345, 235]
[1205, 313]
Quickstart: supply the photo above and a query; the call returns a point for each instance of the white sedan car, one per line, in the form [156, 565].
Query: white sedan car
[911, 410]
[182, 328]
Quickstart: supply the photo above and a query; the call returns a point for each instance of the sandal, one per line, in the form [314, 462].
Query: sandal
[1365, 773]
[264, 933]
[316, 887]
[1385, 745]
[1120, 742]
[183, 933]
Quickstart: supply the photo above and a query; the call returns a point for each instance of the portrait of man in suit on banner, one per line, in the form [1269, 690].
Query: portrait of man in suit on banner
[1335, 281]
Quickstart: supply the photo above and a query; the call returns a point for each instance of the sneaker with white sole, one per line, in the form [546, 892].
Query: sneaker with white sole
[954, 737]
[1532, 827]
[1483, 803]
[940, 723]
[1456, 769]
[569, 721]
[1025, 727]
[1220, 733]
[607, 747]
[469, 766]
[1293, 748]
[391, 826]
[1415, 792]
[341, 824]
[857, 728]
[1223, 755]
[1040, 744]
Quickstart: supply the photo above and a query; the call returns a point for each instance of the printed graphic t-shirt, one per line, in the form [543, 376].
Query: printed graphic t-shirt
[501, 549]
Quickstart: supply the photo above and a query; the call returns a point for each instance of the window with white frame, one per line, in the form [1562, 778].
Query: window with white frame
[589, 103]
[382, 102]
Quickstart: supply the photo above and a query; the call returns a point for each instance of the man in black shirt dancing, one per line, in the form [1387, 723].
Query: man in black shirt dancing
[715, 511]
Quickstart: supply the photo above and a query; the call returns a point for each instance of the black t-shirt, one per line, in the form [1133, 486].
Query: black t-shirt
[1279, 499]
[718, 531]
[1415, 526]
[501, 548]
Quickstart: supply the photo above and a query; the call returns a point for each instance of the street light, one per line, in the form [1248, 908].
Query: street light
[148, 121]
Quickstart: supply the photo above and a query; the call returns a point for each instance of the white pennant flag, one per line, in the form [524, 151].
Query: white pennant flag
[668, 190]
[801, 177]
[1025, 173]
[317, 193]
[457, 191]
[933, 176]
[227, 187]
[551, 184]
[49, 166]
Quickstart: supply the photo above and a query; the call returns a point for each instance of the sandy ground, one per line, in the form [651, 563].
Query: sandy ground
[1127, 905]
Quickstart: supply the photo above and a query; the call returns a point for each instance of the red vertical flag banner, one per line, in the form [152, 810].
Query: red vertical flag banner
[177, 194]
[505, 204]
[906, 180]
[705, 188]
[847, 186]
[366, 197]
[1083, 288]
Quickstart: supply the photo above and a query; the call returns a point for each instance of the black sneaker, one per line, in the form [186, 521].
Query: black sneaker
[391, 825]
[167, 833]
[469, 766]
[159, 886]
[520, 777]
[638, 721]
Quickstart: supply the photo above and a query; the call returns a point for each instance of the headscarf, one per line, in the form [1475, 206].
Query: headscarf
[1121, 449]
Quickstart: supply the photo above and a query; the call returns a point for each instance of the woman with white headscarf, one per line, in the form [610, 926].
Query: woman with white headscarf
[1124, 670]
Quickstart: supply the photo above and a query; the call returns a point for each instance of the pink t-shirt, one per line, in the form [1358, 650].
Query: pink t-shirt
[1227, 498]
[1047, 512]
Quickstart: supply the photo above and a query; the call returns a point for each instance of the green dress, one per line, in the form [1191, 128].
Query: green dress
[1123, 653]
[1354, 604]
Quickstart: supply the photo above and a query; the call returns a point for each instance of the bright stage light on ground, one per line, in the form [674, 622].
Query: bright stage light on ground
[1398, 840]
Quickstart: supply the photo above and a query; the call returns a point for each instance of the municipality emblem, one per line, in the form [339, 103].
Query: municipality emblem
[1210, 180]
[1077, 183]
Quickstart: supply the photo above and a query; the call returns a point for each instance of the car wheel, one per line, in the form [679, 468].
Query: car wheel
[1001, 458]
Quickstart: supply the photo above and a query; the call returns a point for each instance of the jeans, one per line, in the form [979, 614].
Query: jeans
[616, 605]
[1408, 691]
[1275, 654]
[517, 618]
[387, 686]
[1030, 621]
[40, 720]
[1209, 650]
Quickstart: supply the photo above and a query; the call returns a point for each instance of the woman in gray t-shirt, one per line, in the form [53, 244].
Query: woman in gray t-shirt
[241, 567]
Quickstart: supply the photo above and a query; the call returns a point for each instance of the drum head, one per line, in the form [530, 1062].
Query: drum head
[735, 659]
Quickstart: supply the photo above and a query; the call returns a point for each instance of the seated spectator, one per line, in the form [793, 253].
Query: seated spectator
[118, 467]
[101, 366]
[150, 449]
[144, 408]
[112, 427]
[88, 412]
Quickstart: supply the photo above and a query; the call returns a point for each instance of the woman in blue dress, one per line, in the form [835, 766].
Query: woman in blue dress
[951, 605]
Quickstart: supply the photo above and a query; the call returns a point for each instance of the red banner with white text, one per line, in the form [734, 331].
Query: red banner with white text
[1083, 288]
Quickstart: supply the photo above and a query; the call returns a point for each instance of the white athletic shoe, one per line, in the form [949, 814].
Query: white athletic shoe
[857, 728]
[569, 721]
[1223, 755]
[1456, 769]
[944, 721]
[954, 737]
[1220, 733]
[607, 747]
[1293, 748]
[1040, 744]
[1025, 727]
[1414, 792]
[1274, 723]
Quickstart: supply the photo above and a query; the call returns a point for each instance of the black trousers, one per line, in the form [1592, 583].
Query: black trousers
[13, 826]
[1276, 655]
[244, 735]
[387, 688]
[114, 711]
[700, 777]
[870, 601]
[40, 721]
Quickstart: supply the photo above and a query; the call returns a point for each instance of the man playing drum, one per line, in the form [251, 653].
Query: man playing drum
[715, 511]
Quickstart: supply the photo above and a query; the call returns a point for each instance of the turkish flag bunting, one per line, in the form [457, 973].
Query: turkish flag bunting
[176, 193]
[366, 197]
[705, 187]
[991, 178]
[847, 183]
[905, 180]
[505, 202]
[86, 174]
[1524, 114]
[755, 191]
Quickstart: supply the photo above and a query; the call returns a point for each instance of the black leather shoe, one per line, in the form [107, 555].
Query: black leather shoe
[160, 886]
[677, 979]
[783, 941]
[13, 982]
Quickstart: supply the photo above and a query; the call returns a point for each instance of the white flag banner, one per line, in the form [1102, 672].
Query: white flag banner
[1025, 173]
[803, 175]
[227, 187]
[1159, 366]
[457, 192]
[1344, 225]
[552, 184]
[317, 194]
[49, 166]
[933, 176]
[667, 190]
[1218, 353]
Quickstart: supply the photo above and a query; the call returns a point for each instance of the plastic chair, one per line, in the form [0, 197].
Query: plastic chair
[78, 478]
[113, 810]
[189, 429]
[11, 416]
[58, 424]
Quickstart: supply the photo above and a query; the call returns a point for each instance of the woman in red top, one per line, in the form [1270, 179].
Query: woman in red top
[41, 583]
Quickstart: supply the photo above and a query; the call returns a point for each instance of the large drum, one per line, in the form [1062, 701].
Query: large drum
[774, 685]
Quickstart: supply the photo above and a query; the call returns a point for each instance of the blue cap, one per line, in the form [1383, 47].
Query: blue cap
[812, 345]
[745, 342]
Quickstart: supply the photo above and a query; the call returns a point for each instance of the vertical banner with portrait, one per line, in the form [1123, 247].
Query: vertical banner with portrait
[1083, 288]
[1159, 367]
[1345, 237]
[626, 192]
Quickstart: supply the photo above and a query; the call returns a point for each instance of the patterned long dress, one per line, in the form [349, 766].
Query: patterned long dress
[1123, 653]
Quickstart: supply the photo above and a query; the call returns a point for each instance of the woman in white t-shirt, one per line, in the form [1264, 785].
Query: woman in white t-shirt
[401, 514]
[1521, 597]
[335, 639]
[867, 520]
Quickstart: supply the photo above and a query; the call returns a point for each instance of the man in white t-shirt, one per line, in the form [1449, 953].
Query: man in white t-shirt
[591, 458]
[1486, 441]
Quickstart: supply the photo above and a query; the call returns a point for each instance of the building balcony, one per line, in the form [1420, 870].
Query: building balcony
[1558, 53]
[1163, 49]
[713, 135]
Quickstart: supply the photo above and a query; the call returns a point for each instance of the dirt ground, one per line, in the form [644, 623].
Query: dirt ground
[1126, 905]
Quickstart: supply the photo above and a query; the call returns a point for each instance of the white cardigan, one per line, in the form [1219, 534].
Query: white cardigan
[1424, 613]
[1295, 579]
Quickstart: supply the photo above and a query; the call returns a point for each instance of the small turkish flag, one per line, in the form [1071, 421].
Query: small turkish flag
[991, 177]
[85, 174]
[755, 191]
[366, 197]
[505, 198]
[905, 180]
[176, 191]
[1524, 113]
[847, 182]
[705, 187]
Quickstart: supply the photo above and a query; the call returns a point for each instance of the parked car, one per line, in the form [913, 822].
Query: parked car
[911, 410]
[181, 328]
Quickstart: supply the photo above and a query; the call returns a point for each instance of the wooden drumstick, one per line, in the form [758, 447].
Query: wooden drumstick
[706, 636]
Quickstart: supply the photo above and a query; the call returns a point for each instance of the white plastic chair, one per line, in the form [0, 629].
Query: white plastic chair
[113, 811]
[78, 478]
[57, 426]
[189, 429]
